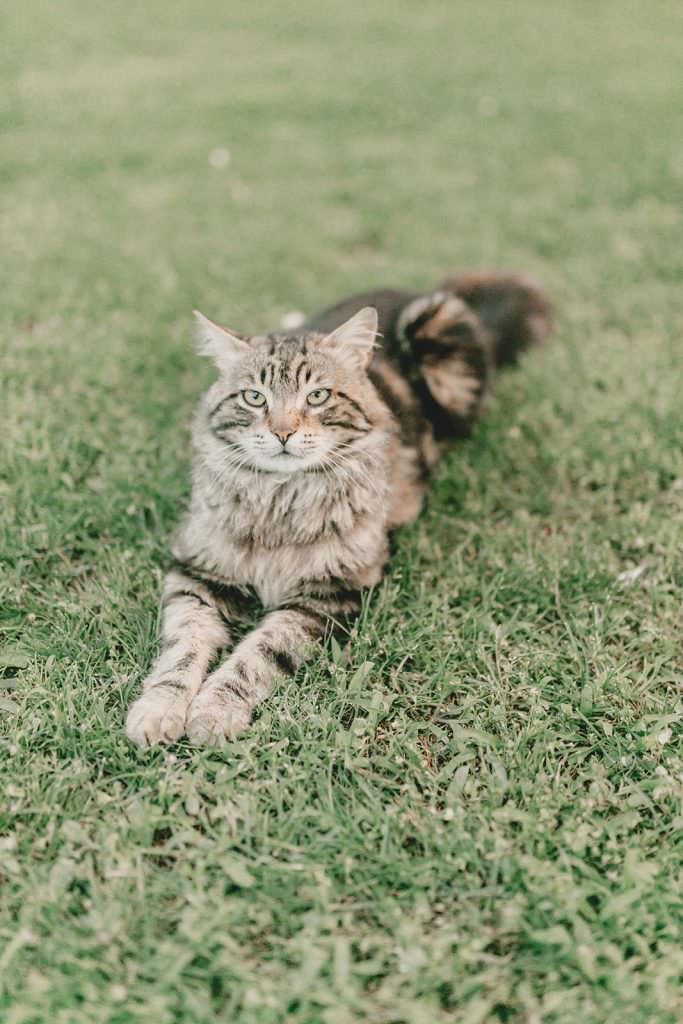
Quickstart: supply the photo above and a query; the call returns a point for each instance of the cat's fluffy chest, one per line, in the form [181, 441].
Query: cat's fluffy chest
[285, 538]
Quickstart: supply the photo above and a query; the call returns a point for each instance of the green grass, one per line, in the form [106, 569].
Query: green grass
[472, 812]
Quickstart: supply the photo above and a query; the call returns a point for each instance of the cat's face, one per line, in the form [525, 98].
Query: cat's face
[292, 404]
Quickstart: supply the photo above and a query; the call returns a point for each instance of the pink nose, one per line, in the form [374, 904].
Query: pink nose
[283, 437]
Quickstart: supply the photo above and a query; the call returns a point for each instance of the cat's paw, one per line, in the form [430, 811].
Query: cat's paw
[214, 718]
[156, 718]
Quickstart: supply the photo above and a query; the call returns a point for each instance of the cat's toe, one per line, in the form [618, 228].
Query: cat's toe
[206, 731]
[212, 723]
[151, 721]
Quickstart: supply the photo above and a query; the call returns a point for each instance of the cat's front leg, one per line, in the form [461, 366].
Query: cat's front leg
[194, 629]
[223, 707]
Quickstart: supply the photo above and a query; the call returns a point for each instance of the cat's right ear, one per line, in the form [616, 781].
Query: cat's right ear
[221, 345]
[357, 337]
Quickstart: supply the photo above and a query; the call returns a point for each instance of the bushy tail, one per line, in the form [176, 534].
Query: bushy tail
[513, 308]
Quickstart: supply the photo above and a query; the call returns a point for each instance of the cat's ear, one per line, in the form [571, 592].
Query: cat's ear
[358, 336]
[219, 344]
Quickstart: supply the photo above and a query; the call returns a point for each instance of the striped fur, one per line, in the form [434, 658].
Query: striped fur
[307, 453]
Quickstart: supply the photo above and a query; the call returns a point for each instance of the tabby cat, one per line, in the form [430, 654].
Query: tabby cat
[309, 449]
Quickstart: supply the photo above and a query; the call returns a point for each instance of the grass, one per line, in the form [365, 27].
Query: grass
[472, 812]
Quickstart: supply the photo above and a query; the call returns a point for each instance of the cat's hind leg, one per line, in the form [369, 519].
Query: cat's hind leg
[193, 630]
[450, 358]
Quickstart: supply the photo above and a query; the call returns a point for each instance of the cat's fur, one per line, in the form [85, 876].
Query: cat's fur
[292, 503]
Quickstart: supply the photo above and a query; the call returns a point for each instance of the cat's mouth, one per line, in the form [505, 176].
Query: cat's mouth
[282, 460]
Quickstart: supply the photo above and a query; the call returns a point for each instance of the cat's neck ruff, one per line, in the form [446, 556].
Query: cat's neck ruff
[275, 533]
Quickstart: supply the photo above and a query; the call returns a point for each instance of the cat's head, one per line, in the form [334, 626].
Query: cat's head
[292, 403]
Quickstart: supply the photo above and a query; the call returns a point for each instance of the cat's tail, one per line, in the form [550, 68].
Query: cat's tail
[513, 308]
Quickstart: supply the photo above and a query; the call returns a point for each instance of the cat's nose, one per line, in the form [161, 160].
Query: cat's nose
[283, 437]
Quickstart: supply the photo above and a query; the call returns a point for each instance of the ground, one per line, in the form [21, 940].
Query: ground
[471, 812]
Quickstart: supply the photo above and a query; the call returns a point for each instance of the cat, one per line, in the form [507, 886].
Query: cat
[309, 449]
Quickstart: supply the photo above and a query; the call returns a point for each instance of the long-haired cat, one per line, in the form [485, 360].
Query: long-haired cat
[308, 450]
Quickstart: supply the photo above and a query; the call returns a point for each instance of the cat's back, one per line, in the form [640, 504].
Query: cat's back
[388, 368]
[414, 451]
[387, 301]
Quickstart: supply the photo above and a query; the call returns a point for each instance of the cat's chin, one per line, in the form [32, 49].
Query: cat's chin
[285, 464]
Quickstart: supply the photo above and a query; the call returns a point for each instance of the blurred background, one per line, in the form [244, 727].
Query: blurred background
[254, 156]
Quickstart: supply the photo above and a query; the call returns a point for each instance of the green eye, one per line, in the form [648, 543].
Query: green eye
[318, 396]
[254, 398]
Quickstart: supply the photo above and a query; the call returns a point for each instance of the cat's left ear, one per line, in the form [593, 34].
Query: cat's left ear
[358, 336]
[218, 343]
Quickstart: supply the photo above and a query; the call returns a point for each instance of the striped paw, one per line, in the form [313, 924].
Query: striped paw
[156, 717]
[216, 717]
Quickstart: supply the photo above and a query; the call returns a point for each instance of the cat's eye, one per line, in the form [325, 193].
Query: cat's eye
[254, 398]
[318, 396]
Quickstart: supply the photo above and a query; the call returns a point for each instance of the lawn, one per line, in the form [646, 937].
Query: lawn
[471, 812]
